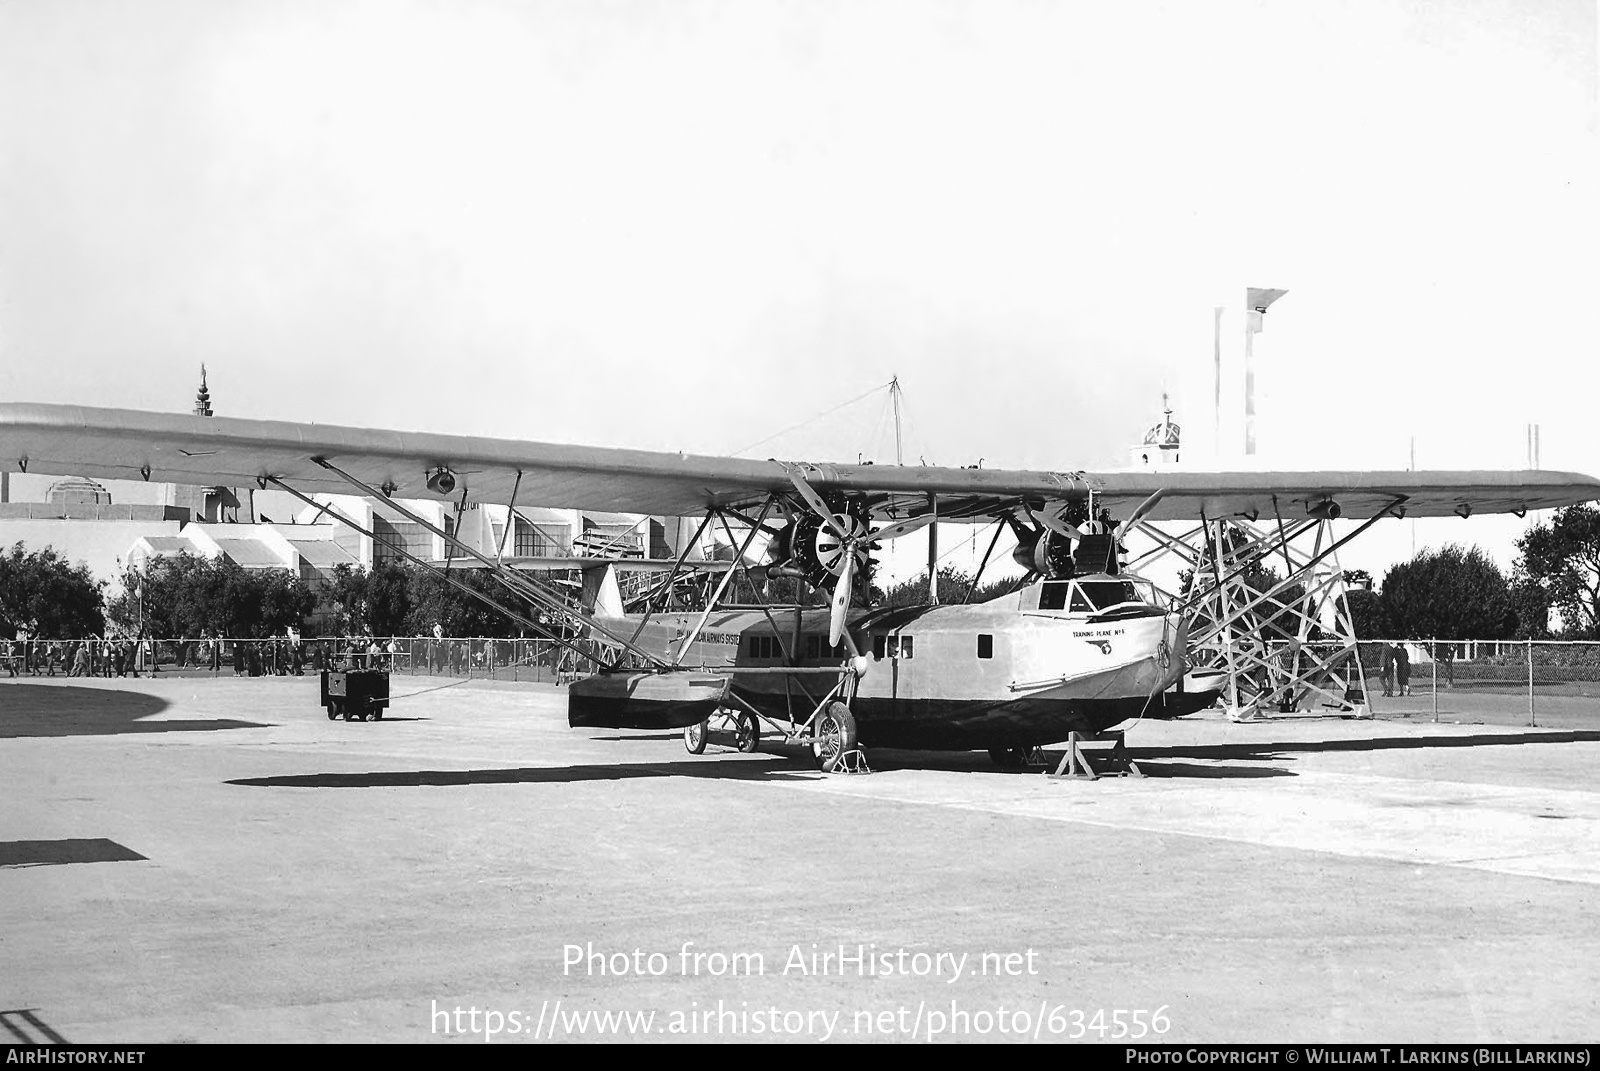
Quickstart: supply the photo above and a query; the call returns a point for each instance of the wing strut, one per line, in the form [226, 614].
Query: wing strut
[672, 577]
[525, 586]
[722, 585]
[493, 604]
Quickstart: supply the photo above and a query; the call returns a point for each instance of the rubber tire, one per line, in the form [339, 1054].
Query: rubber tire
[838, 728]
[694, 737]
[1011, 758]
[746, 732]
[377, 713]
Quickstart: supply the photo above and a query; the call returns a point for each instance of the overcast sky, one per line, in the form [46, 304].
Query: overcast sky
[688, 226]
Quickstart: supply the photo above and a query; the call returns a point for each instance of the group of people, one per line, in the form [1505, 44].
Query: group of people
[1395, 672]
[286, 655]
[93, 657]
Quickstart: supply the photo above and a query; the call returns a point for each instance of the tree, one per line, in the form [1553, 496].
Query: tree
[433, 599]
[1532, 608]
[1563, 559]
[42, 593]
[1454, 593]
[377, 601]
[184, 595]
[1367, 614]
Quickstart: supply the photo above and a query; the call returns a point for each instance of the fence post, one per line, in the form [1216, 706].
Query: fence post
[1434, 662]
[1531, 720]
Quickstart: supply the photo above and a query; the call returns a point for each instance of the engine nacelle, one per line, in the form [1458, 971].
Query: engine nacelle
[1047, 553]
[810, 548]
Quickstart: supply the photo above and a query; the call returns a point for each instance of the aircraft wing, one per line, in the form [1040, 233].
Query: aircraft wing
[233, 452]
[1190, 496]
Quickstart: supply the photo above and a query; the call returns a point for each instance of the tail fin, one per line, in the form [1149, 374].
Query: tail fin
[601, 595]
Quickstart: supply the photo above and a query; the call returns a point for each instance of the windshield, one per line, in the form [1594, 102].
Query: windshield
[1091, 596]
[1104, 594]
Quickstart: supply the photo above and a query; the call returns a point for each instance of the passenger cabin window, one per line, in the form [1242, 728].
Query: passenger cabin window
[985, 645]
[879, 646]
[905, 646]
[765, 647]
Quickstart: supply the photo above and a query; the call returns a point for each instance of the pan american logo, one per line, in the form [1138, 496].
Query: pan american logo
[1104, 645]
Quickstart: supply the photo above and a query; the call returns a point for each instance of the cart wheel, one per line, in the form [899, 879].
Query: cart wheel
[333, 710]
[377, 713]
[344, 708]
[746, 731]
[836, 736]
[694, 737]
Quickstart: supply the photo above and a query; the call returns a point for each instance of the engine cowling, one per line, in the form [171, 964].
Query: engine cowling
[810, 548]
[1045, 552]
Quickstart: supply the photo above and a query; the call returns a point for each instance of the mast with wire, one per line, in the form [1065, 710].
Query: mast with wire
[894, 396]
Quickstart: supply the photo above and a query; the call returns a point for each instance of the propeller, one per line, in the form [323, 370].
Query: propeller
[1138, 514]
[1053, 522]
[853, 542]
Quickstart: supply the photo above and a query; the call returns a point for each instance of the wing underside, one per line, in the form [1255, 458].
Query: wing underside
[176, 448]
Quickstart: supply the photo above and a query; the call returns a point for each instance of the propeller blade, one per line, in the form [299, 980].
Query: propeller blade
[1144, 507]
[900, 528]
[815, 501]
[1055, 524]
[841, 603]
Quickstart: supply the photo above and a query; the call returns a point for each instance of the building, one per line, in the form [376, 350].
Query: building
[1161, 447]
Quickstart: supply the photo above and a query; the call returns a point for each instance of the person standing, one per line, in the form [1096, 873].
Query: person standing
[1386, 673]
[1402, 670]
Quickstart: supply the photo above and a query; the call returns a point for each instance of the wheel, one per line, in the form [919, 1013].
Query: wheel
[344, 709]
[1007, 758]
[377, 713]
[333, 710]
[836, 735]
[694, 737]
[1016, 758]
[746, 731]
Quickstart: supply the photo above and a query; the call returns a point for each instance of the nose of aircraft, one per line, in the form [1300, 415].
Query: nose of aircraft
[1175, 638]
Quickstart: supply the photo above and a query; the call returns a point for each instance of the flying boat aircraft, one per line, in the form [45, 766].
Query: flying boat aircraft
[1079, 648]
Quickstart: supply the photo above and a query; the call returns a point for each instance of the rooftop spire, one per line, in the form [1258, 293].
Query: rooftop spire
[202, 398]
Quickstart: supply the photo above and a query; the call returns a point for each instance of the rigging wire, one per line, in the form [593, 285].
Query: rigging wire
[811, 419]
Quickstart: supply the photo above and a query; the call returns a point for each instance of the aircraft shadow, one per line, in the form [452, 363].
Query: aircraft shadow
[885, 760]
[41, 710]
[1265, 751]
[26, 1028]
[1163, 768]
[745, 770]
[21, 853]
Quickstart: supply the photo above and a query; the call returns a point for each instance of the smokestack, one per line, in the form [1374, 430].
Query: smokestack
[1257, 301]
[1216, 361]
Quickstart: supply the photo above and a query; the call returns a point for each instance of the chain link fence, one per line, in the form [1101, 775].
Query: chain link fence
[1550, 683]
[451, 656]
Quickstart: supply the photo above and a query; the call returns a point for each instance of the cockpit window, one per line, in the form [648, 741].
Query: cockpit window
[1105, 594]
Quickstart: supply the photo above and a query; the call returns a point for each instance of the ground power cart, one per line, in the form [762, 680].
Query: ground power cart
[355, 694]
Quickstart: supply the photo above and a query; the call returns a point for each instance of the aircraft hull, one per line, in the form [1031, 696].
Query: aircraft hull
[643, 700]
[1086, 704]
